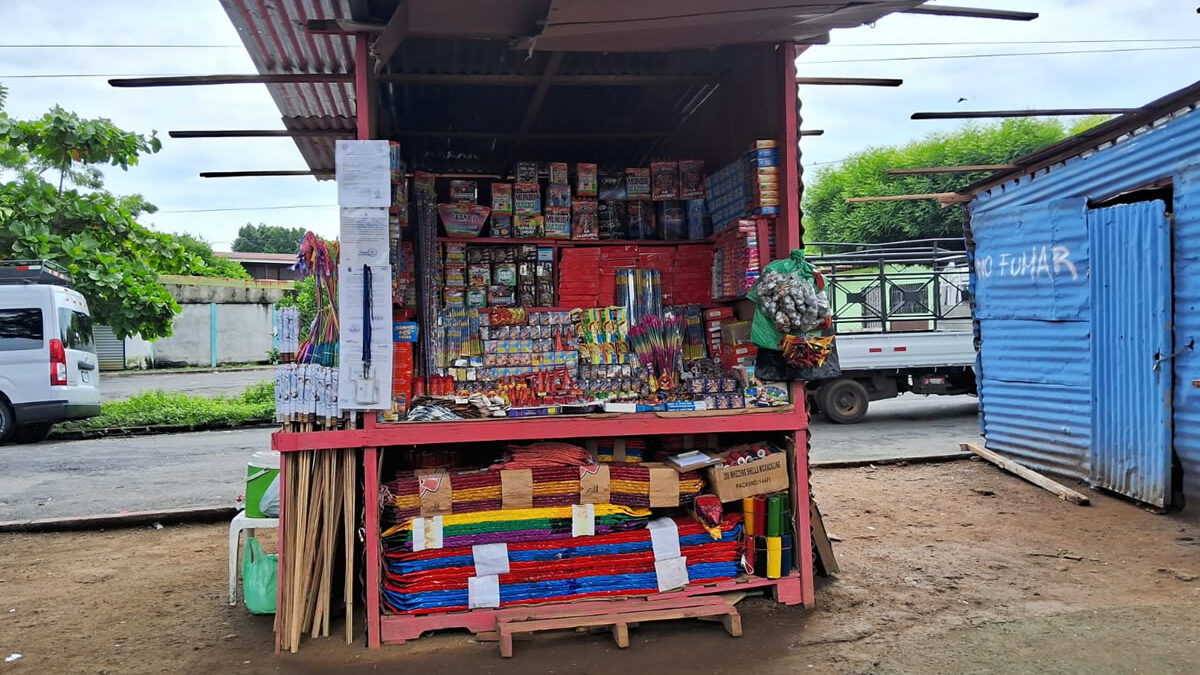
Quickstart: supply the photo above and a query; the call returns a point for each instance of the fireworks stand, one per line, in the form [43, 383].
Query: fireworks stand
[532, 355]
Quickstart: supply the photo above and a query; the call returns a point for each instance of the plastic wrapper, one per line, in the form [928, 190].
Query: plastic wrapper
[790, 299]
[664, 180]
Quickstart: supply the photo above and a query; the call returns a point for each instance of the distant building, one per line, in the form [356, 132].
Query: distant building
[274, 266]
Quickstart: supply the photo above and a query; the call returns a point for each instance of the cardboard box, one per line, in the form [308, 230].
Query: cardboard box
[760, 477]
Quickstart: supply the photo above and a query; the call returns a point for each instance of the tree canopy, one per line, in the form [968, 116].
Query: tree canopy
[827, 216]
[264, 238]
[71, 219]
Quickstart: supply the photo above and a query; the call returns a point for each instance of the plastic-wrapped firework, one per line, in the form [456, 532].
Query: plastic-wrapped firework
[641, 220]
[672, 220]
[793, 303]
[648, 300]
[627, 290]
[697, 215]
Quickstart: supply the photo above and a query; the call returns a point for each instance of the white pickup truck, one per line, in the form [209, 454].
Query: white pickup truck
[903, 322]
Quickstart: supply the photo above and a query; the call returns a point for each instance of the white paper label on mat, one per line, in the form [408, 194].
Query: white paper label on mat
[664, 537]
[483, 592]
[583, 520]
[490, 559]
[426, 533]
[672, 574]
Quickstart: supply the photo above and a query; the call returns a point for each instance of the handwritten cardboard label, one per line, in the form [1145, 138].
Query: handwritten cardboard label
[593, 484]
[516, 489]
[434, 493]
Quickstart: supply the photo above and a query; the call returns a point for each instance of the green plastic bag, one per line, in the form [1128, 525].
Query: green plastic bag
[762, 328]
[260, 578]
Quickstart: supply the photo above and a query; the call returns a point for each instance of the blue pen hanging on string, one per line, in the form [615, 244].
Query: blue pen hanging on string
[366, 350]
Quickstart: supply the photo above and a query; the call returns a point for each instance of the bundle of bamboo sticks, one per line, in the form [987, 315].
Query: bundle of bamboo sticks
[318, 504]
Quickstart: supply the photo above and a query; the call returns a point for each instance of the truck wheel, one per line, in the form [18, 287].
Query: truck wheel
[844, 401]
[6, 421]
[32, 433]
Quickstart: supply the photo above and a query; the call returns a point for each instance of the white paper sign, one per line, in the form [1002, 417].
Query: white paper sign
[426, 533]
[664, 537]
[364, 237]
[583, 520]
[363, 172]
[483, 592]
[364, 384]
[672, 574]
[490, 559]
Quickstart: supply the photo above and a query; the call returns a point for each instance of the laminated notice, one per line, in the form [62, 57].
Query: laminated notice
[484, 592]
[516, 489]
[664, 487]
[664, 537]
[490, 559]
[583, 521]
[593, 484]
[672, 574]
[426, 533]
[433, 490]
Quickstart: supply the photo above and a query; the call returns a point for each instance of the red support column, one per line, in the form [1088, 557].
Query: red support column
[371, 511]
[788, 229]
[362, 94]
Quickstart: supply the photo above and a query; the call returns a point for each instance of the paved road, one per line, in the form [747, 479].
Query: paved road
[76, 478]
[200, 382]
[908, 426]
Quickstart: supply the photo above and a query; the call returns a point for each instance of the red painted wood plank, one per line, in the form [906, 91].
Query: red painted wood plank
[789, 418]
[371, 507]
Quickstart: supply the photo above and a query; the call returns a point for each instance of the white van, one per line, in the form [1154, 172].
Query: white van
[48, 365]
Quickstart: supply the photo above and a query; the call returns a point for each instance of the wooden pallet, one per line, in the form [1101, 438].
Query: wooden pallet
[617, 615]
[401, 628]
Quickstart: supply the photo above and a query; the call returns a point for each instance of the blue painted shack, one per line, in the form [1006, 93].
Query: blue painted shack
[1086, 285]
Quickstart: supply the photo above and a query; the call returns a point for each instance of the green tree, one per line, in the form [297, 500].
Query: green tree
[205, 263]
[53, 206]
[263, 238]
[827, 216]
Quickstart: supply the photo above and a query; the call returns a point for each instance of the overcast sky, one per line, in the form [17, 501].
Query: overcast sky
[853, 118]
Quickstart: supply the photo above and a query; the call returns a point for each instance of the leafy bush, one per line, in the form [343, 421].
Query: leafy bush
[161, 408]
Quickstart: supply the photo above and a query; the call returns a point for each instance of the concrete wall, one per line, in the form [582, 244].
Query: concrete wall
[244, 334]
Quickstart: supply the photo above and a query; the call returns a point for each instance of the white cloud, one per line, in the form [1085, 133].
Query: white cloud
[853, 118]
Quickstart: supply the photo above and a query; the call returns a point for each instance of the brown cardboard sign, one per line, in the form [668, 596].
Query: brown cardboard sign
[731, 483]
[593, 484]
[664, 486]
[434, 492]
[516, 489]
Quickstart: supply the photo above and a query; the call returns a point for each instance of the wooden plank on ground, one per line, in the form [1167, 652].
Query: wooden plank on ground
[825, 557]
[1063, 492]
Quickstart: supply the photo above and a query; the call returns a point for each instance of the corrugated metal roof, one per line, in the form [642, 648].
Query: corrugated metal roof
[1186, 399]
[276, 37]
[1131, 329]
[1115, 131]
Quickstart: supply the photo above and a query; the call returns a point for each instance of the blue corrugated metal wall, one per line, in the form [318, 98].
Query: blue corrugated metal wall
[1030, 279]
[1131, 332]
[1049, 425]
[1186, 402]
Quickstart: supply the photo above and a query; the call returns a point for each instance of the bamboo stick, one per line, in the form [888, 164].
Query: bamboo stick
[348, 485]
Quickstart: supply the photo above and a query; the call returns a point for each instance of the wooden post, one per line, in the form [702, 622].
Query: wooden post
[787, 231]
[371, 522]
[802, 541]
[362, 95]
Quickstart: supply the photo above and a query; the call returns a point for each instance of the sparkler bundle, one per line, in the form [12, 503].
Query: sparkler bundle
[616, 564]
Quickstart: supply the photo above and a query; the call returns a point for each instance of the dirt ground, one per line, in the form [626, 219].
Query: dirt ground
[946, 568]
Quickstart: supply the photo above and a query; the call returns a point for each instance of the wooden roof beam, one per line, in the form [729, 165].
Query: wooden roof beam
[262, 133]
[972, 12]
[553, 63]
[952, 169]
[852, 81]
[943, 198]
[389, 39]
[195, 80]
[1048, 112]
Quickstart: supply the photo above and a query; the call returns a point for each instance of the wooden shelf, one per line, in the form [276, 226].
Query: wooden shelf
[562, 243]
[792, 417]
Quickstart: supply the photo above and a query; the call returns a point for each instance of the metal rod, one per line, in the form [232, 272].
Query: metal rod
[812, 132]
[852, 81]
[1048, 112]
[972, 12]
[193, 80]
[943, 197]
[261, 133]
[250, 174]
